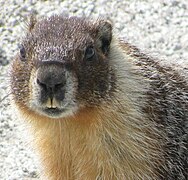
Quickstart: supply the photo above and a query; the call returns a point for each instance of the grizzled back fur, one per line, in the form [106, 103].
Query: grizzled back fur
[167, 104]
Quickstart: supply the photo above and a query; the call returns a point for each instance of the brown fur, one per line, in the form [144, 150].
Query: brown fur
[120, 132]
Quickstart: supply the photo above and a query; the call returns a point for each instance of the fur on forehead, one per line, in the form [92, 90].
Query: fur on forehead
[68, 26]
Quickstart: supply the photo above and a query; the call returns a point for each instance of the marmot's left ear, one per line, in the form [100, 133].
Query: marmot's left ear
[104, 35]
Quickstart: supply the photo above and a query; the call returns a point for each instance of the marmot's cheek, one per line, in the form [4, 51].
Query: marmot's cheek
[71, 86]
[34, 92]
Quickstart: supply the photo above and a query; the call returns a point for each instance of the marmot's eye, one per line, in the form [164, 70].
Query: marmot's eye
[22, 52]
[89, 53]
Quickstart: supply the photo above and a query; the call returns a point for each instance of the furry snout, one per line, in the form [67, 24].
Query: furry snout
[51, 81]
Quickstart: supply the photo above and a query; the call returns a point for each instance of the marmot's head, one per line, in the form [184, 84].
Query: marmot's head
[63, 65]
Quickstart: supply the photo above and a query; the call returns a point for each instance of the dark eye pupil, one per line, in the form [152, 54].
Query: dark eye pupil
[89, 53]
[22, 51]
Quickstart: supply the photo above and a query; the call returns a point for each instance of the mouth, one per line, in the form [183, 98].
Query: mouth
[59, 112]
[53, 112]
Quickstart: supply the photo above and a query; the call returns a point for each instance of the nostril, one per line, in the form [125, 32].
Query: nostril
[50, 87]
[41, 84]
[59, 85]
[38, 82]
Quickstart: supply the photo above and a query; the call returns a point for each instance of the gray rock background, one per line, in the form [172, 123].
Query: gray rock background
[158, 27]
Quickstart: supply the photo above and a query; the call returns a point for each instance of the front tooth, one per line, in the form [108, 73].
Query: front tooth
[54, 103]
[49, 103]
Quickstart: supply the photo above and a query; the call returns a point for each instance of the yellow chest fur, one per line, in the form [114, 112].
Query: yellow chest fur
[93, 145]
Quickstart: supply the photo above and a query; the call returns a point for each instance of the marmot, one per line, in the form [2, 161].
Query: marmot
[99, 108]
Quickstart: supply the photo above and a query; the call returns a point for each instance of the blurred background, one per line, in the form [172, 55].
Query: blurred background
[159, 28]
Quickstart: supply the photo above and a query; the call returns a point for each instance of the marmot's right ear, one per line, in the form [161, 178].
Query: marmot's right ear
[104, 35]
[32, 21]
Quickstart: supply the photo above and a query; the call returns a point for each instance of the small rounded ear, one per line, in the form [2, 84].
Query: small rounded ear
[32, 20]
[104, 35]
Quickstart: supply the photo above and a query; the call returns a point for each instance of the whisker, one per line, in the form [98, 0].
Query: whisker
[6, 96]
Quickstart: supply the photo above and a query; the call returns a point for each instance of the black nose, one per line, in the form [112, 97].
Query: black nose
[52, 81]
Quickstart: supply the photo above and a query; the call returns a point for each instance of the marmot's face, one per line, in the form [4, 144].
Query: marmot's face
[63, 65]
